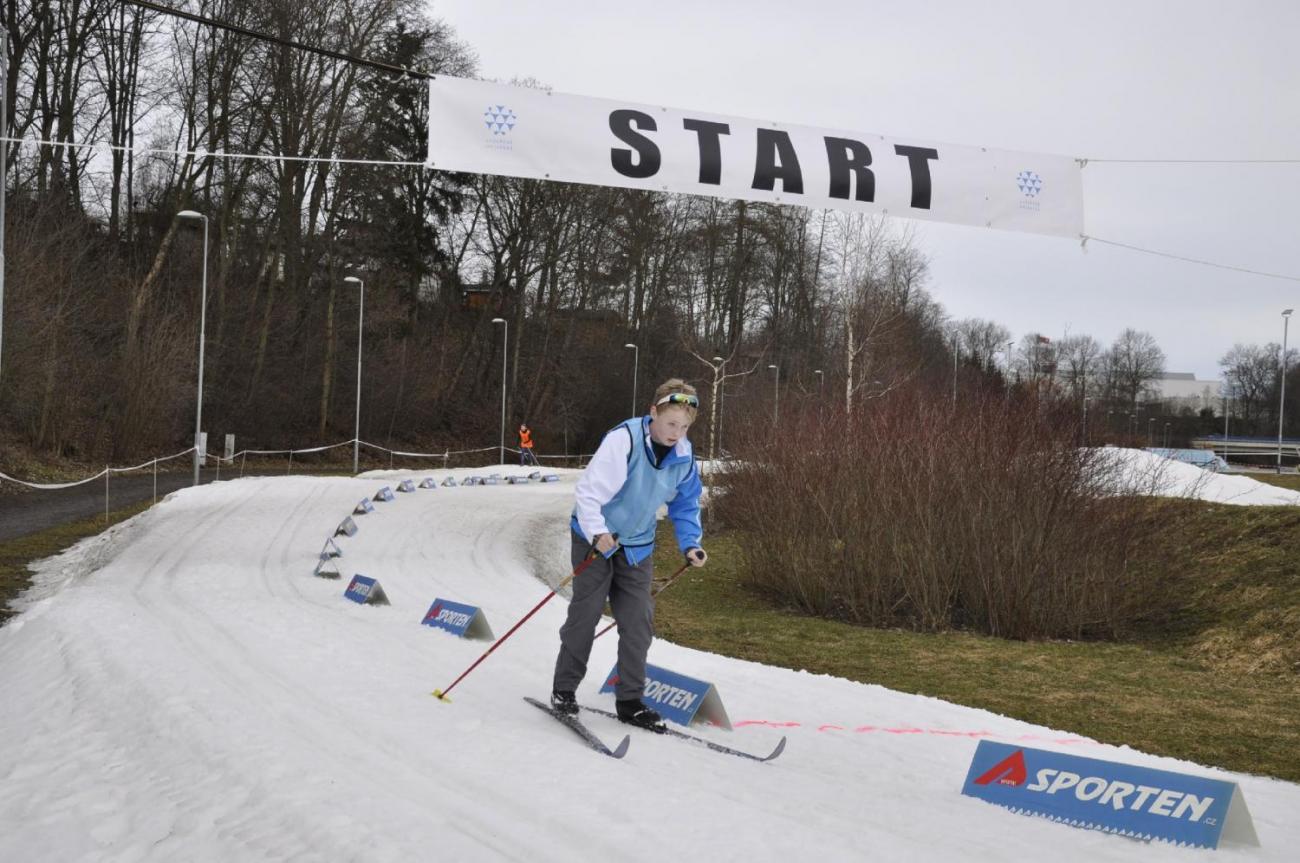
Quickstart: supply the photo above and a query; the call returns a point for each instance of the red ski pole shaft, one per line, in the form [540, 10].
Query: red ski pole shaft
[661, 589]
[441, 694]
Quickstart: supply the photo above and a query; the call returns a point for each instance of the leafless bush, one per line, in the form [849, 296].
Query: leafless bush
[984, 516]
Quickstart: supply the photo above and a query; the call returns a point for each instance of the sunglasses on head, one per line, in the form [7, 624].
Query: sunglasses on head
[679, 399]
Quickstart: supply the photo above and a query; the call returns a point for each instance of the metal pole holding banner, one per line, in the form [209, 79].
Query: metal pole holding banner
[4, 177]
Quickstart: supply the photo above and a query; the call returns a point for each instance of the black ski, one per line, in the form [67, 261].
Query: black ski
[716, 747]
[581, 730]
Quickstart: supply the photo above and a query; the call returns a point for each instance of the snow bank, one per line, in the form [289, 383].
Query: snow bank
[186, 690]
[1142, 472]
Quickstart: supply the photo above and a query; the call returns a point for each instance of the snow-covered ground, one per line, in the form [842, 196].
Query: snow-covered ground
[182, 688]
[1148, 473]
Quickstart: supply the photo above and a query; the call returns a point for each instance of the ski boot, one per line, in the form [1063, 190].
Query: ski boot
[564, 701]
[634, 712]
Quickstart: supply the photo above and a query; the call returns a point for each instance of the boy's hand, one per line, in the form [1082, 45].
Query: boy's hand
[696, 556]
[605, 543]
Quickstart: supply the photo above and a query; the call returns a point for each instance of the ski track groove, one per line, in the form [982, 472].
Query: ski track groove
[272, 686]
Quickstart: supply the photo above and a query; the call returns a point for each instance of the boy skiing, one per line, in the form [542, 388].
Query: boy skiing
[641, 464]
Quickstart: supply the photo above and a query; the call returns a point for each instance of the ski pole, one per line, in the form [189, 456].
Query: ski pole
[441, 694]
[660, 590]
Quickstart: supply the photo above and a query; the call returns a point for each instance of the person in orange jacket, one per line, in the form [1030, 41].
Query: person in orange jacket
[526, 446]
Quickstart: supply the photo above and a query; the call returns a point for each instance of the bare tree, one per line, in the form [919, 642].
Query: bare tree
[1133, 362]
[980, 340]
[1254, 372]
[1078, 358]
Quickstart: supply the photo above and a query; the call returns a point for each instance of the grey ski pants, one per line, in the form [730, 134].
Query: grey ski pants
[628, 590]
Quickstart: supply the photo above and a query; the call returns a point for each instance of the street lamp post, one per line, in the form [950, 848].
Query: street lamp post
[821, 388]
[356, 417]
[203, 326]
[1281, 404]
[636, 361]
[1226, 405]
[505, 352]
[719, 389]
[956, 353]
[776, 393]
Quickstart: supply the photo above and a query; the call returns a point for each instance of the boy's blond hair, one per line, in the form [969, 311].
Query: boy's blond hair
[676, 385]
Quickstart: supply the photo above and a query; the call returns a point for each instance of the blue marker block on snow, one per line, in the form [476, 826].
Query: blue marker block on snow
[406, 485]
[1139, 802]
[464, 621]
[347, 527]
[428, 482]
[678, 698]
[385, 494]
[365, 590]
[364, 507]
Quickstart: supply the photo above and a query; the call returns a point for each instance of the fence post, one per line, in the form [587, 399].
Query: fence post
[289, 467]
[106, 473]
[218, 479]
[155, 479]
[390, 459]
[243, 459]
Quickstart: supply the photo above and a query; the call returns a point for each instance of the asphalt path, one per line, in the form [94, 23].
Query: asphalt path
[37, 510]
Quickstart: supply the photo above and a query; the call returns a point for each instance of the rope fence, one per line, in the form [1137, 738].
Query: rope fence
[446, 457]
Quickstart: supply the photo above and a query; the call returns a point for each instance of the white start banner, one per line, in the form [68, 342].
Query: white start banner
[487, 128]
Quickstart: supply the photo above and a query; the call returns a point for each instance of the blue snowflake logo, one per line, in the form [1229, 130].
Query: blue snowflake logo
[499, 119]
[1031, 185]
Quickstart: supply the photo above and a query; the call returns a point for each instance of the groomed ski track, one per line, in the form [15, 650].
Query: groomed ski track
[182, 688]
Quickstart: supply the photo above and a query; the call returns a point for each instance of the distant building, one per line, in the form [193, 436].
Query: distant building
[479, 296]
[1183, 390]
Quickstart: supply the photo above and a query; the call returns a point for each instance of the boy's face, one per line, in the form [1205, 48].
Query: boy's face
[668, 424]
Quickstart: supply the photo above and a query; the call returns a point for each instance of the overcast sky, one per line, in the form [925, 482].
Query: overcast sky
[1179, 79]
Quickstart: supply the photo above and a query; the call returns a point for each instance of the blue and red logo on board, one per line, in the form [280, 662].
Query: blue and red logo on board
[1106, 795]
